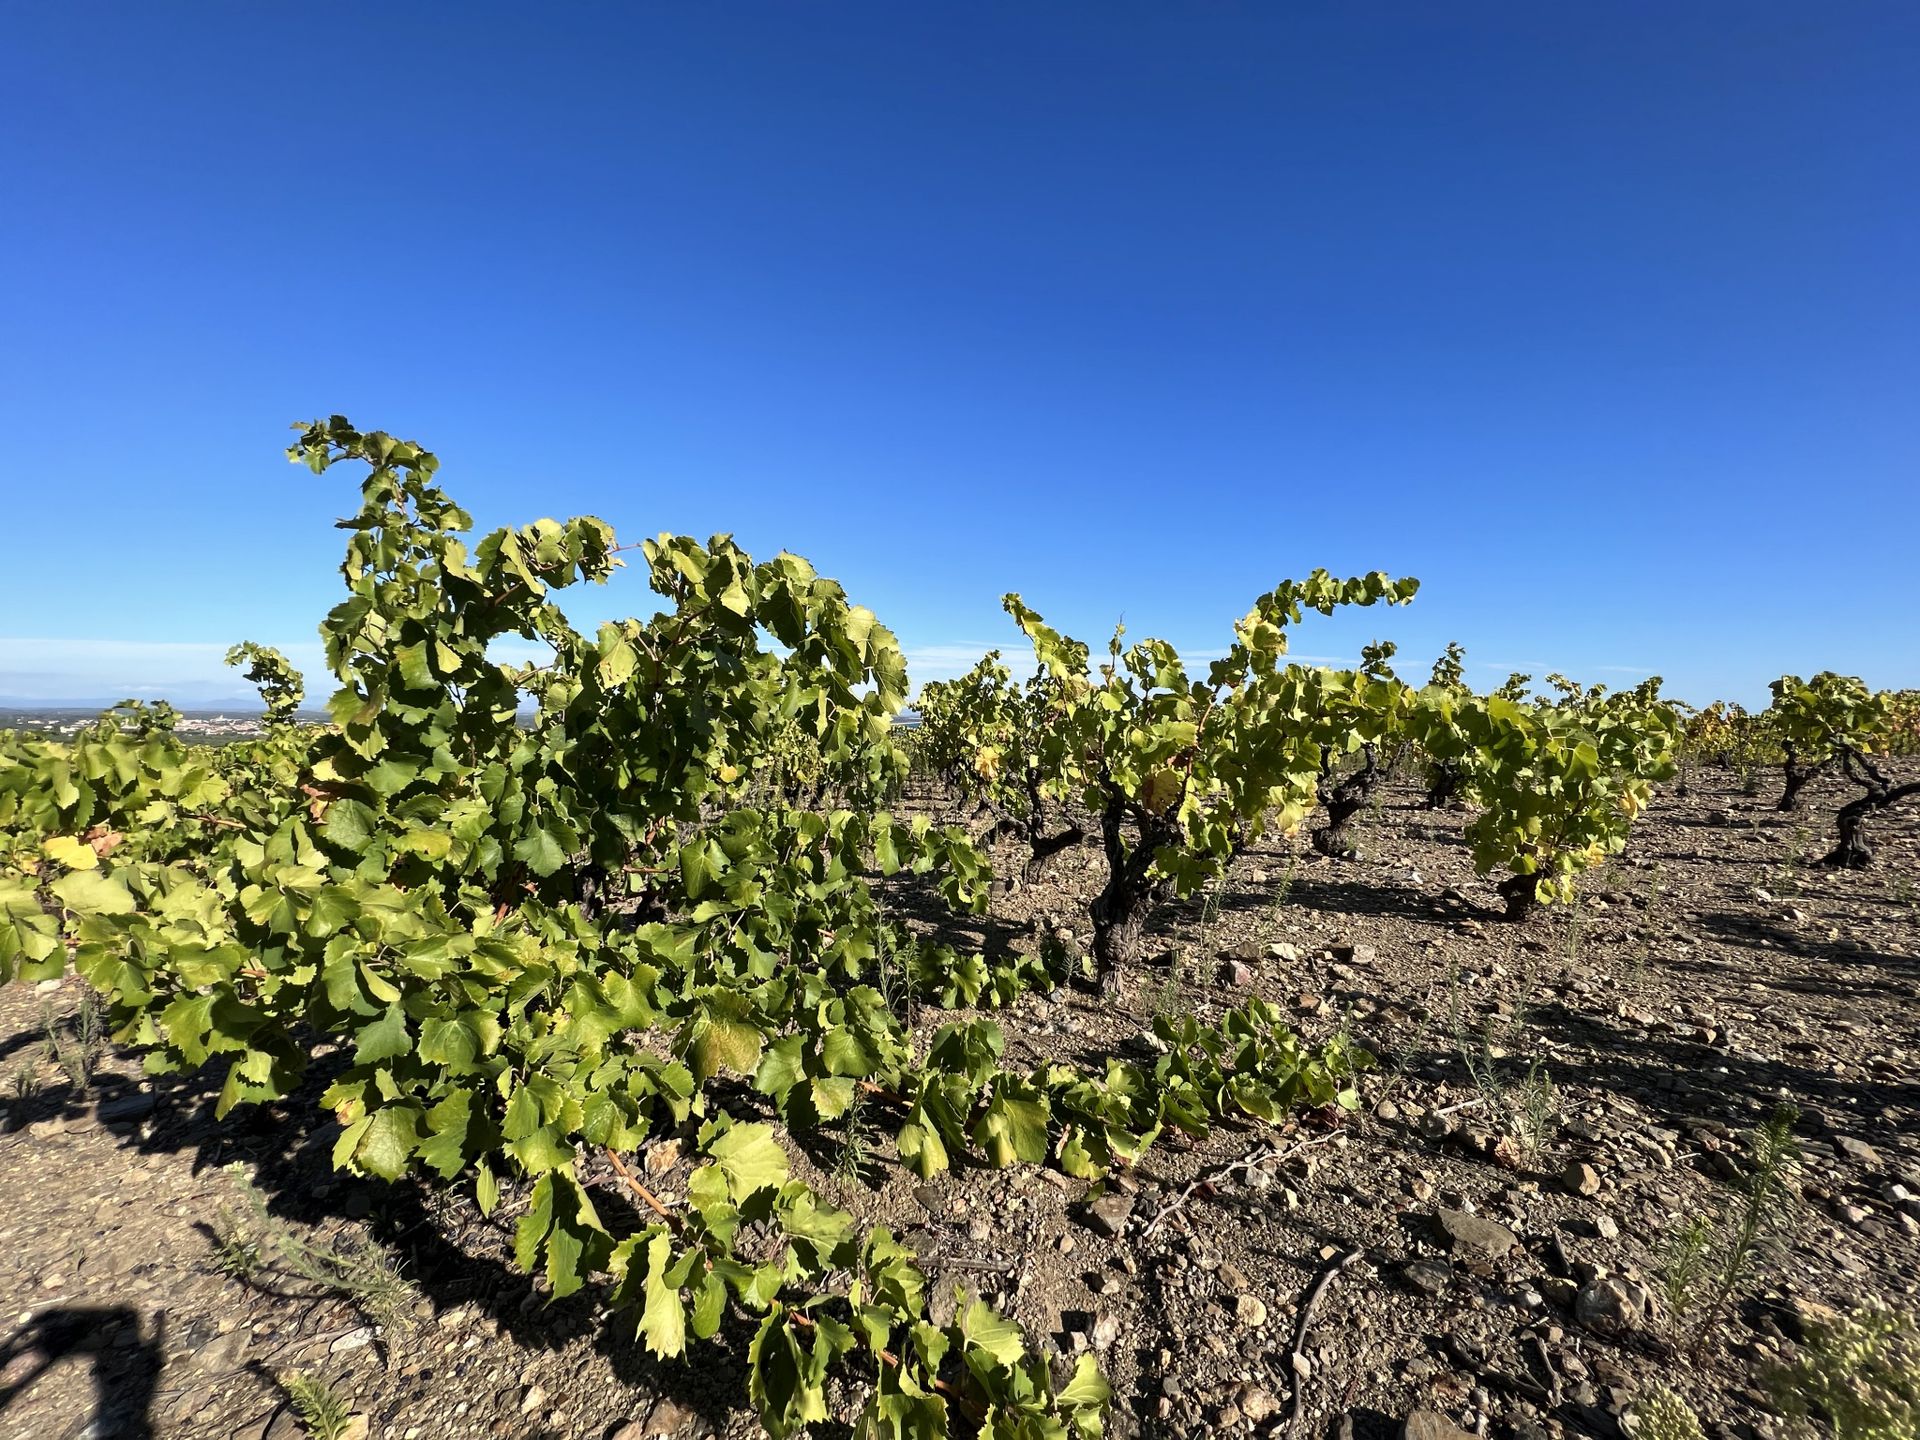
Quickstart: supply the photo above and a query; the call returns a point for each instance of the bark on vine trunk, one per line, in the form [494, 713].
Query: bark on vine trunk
[1852, 852]
[1121, 909]
[1798, 778]
[1521, 892]
[1443, 784]
[1345, 799]
[1334, 838]
[1044, 847]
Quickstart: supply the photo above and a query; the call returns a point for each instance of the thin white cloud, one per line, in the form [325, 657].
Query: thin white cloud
[951, 661]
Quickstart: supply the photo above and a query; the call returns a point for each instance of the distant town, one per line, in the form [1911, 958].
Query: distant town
[213, 726]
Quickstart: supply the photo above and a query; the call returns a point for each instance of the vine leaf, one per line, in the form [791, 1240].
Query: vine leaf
[663, 1322]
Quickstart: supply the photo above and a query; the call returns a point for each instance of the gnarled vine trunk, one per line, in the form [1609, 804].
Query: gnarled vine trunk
[1043, 847]
[1798, 778]
[1444, 781]
[1343, 800]
[1121, 909]
[1521, 892]
[1852, 851]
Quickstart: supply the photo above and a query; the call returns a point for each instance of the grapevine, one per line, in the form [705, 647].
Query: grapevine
[541, 940]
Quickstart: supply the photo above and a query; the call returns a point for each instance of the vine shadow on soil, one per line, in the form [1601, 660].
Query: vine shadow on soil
[450, 1254]
[1660, 1072]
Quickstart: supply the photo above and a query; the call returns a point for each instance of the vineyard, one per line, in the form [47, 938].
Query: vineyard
[658, 1039]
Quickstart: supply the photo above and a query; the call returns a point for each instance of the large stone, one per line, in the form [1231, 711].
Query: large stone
[670, 1420]
[1857, 1150]
[1256, 1404]
[1432, 1425]
[1472, 1233]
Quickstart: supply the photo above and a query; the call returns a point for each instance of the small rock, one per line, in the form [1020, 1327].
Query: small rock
[1109, 1214]
[1428, 1277]
[355, 1339]
[1251, 1311]
[1461, 1231]
[1612, 1305]
[1580, 1178]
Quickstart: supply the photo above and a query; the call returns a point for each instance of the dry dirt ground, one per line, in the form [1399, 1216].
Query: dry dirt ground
[1512, 1288]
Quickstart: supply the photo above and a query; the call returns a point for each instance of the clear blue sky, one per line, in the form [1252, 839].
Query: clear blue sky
[1603, 320]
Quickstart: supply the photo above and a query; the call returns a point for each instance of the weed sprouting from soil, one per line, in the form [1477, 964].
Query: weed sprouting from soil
[76, 1043]
[250, 1242]
[1660, 1414]
[1283, 886]
[1708, 1263]
[1686, 1258]
[24, 1082]
[852, 1154]
[1859, 1373]
[323, 1414]
[1656, 886]
[1525, 1106]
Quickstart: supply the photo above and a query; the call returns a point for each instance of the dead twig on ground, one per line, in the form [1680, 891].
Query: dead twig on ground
[1262, 1157]
[1298, 1356]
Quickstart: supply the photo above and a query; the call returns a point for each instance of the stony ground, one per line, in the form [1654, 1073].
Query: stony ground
[1553, 1103]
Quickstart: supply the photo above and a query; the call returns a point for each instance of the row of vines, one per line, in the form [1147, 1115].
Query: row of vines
[541, 916]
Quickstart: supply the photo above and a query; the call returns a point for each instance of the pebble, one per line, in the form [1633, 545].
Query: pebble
[1251, 1311]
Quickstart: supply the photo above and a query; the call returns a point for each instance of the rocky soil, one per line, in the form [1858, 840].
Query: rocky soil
[1478, 1249]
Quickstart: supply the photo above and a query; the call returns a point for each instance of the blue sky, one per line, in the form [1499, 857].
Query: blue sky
[1601, 320]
